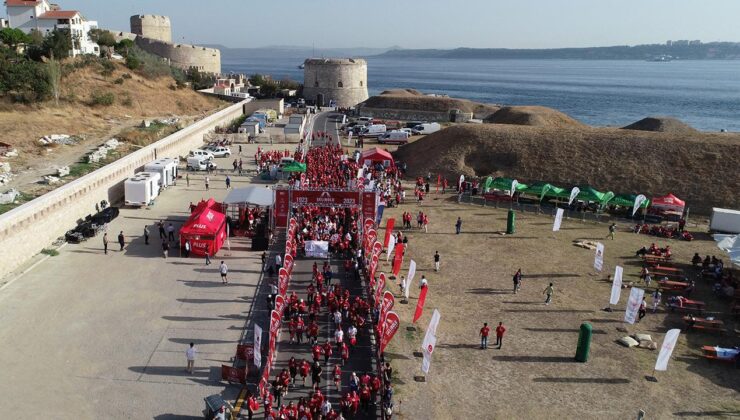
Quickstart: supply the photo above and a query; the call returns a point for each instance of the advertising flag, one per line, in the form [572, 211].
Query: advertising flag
[377, 248]
[386, 304]
[409, 278]
[280, 304]
[616, 286]
[669, 343]
[380, 287]
[431, 329]
[397, 259]
[389, 225]
[390, 326]
[633, 305]
[282, 281]
[638, 202]
[460, 183]
[369, 224]
[420, 303]
[514, 183]
[391, 245]
[439, 181]
[573, 194]
[381, 209]
[426, 361]
[558, 220]
[257, 346]
[599, 257]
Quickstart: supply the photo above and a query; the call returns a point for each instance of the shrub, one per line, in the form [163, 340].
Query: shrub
[24, 80]
[108, 68]
[132, 62]
[102, 99]
[126, 100]
[126, 76]
[118, 81]
[50, 252]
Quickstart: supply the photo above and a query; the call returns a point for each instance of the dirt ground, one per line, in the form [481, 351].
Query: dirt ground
[534, 375]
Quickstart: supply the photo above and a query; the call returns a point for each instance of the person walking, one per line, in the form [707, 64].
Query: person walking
[208, 258]
[228, 182]
[484, 336]
[278, 262]
[171, 232]
[207, 181]
[517, 280]
[224, 270]
[458, 226]
[549, 291]
[105, 243]
[162, 233]
[187, 179]
[146, 234]
[642, 311]
[656, 300]
[121, 240]
[500, 330]
[436, 260]
[187, 248]
[190, 354]
[612, 231]
[165, 248]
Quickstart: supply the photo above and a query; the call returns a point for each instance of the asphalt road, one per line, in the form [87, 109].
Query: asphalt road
[324, 123]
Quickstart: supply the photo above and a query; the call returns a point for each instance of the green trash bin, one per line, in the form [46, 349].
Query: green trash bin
[584, 343]
[511, 223]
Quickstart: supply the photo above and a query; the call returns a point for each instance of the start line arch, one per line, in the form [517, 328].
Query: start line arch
[287, 198]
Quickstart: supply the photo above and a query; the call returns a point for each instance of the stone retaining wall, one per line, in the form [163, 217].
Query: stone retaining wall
[29, 228]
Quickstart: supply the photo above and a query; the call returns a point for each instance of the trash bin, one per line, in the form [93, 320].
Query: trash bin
[510, 223]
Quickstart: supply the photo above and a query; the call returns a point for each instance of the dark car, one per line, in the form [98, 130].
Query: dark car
[105, 216]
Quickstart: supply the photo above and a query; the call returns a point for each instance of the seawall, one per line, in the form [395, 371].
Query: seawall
[28, 229]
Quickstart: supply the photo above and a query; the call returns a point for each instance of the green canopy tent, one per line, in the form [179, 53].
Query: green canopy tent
[505, 184]
[558, 192]
[538, 189]
[295, 167]
[591, 194]
[627, 200]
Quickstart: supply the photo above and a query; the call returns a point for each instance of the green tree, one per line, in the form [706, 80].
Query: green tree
[124, 46]
[13, 37]
[57, 44]
[269, 89]
[257, 79]
[102, 37]
[54, 74]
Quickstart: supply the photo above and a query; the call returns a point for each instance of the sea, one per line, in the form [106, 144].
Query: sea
[704, 94]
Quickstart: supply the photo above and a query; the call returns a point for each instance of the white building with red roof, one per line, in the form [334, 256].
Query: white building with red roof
[45, 17]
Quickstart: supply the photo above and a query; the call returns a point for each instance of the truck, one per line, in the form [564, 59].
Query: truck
[725, 220]
[166, 168]
[426, 128]
[141, 189]
[394, 137]
[199, 164]
[374, 130]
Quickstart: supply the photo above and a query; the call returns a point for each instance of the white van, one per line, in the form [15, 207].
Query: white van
[394, 137]
[199, 164]
[201, 154]
[427, 128]
[374, 130]
[141, 189]
[166, 167]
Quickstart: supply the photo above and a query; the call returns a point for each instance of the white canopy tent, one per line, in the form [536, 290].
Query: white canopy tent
[258, 196]
[731, 245]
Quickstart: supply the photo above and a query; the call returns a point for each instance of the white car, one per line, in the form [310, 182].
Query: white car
[408, 130]
[205, 154]
[220, 151]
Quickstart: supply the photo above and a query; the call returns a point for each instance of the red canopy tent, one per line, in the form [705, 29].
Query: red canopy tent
[668, 202]
[205, 229]
[377, 155]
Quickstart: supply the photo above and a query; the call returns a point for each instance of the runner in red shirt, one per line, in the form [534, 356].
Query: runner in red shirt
[316, 350]
[345, 353]
[305, 370]
[338, 377]
[293, 368]
[500, 330]
[327, 352]
[365, 398]
[484, 336]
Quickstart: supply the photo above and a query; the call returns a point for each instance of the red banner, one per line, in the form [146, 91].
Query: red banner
[373, 266]
[282, 207]
[380, 288]
[283, 279]
[274, 324]
[233, 374]
[288, 262]
[390, 326]
[369, 223]
[397, 259]
[280, 304]
[303, 180]
[386, 304]
[245, 352]
[377, 248]
[420, 303]
[439, 181]
[369, 205]
[326, 198]
[389, 225]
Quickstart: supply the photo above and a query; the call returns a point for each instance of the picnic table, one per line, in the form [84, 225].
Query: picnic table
[683, 304]
[672, 285]
[715, 325]
[720, 353]
[667, 269]
[651, 257]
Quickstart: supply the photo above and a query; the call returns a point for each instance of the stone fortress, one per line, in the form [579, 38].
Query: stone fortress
[342, 80]
[153, 34]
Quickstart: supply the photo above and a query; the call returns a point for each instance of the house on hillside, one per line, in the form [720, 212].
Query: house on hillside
[42, 16]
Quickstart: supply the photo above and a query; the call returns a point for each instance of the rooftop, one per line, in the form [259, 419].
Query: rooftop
[11, 3]
[59, 14]
[320, 61]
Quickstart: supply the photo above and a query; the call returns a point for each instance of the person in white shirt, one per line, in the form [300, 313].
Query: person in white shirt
[278, 262]
[339, 337]
[325, 408]
[224, 270]
[190, 355]
[423, 283]
[337, 318]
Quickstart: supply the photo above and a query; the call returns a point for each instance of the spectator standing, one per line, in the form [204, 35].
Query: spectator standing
[612, 231]
[190, 354]
[165, 248]
[146, 234]
[105, 243]
[208, 258]
[207, 181]
[436, 260]
[549, 291]
[458, 226]
[187, 179]
[171, 232]
[517, 280]
[224, 270]
[500, 330]
[187, 248]
[484, 336]
[121, 240]
[228, 181]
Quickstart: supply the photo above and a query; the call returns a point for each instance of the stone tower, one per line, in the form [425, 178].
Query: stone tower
[343, 80]
[152, 27]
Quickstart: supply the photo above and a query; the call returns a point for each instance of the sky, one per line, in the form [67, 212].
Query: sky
[427, 23]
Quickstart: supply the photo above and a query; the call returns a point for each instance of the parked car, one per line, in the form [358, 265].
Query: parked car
[220, 151]
[205, 154]
[199, 164]
[427, 128]
[394, 137]
[105, 216]
[408, 130]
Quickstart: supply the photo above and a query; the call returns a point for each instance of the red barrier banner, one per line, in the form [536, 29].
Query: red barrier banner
[303, 180]
[380, 287]
[397, 259]
[389, 328]
[377, 248]
[280, 304]
[420, 303]
[369, 205]
[369, 223]
[245, 352]
[326, 198]
[283, 278]
[282, 207]
[232, 374]
[373, 267]
[389, 225]
[275, 318]
[288, 262]
[386, 305]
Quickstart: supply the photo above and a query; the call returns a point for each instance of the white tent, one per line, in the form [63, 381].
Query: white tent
[258, 196]
[731, 245]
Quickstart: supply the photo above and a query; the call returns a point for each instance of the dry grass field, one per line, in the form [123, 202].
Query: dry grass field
[534, 375]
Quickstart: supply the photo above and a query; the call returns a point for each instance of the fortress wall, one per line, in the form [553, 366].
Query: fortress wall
[404, 114]
[184, 56]
[344, 80]
[29, 228]
[151, 26]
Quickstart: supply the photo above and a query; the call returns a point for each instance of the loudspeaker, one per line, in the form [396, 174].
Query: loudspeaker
[259, 243]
